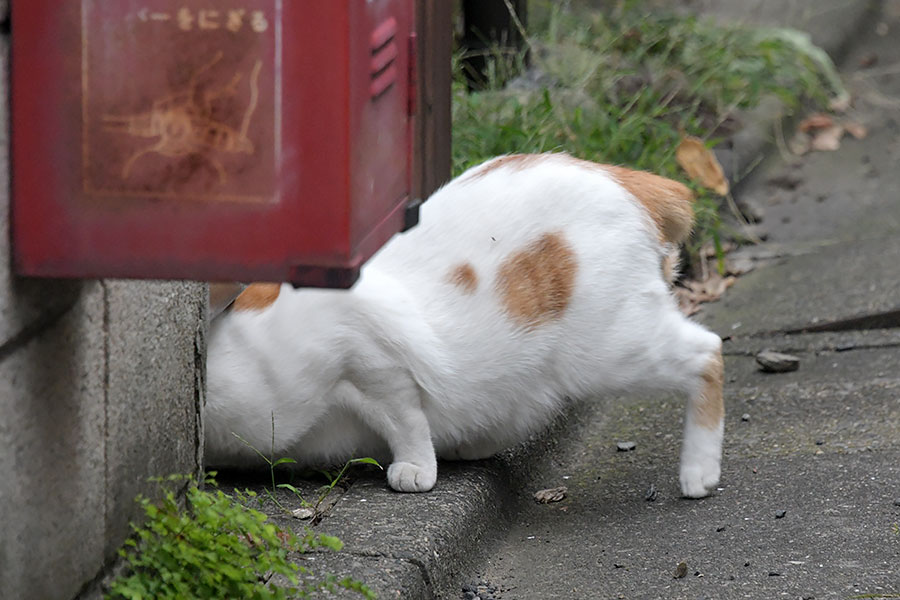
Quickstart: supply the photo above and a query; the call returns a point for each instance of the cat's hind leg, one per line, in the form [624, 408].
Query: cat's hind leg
[701, 451]
[685, 356]
[389, 402]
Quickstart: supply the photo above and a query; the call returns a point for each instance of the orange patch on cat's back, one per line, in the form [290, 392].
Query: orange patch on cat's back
[536, 284]
[257, 296]
[464, 277]
[669, 203]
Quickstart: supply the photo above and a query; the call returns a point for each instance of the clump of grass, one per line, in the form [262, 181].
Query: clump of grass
[216, 547]
[623, 86]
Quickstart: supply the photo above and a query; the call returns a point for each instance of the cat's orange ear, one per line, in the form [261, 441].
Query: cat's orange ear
[668, 202]
[257, 296]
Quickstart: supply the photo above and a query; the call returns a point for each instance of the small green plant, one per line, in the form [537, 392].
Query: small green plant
[216, 547]
[323, 492]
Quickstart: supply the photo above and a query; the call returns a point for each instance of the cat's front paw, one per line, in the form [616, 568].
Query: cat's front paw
[407, 477]
[700, 477]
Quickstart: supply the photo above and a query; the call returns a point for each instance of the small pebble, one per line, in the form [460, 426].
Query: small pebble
[819, 442]
[780, 514]
[777, 362]
[745, 417]
[681, 570]
[625, 446]
[652, 493]
[774, 574]
[720, 528]
[897, 502]
[469, 595]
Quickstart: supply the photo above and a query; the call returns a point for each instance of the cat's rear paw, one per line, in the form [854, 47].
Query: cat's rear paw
[698, 480]
[407, 477]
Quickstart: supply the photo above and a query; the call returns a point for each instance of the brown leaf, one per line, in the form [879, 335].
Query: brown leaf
[551, 495]
[816, 121]
[304, 512]
[857, 130]
[695, 292]
[828, 140]
[701, 165]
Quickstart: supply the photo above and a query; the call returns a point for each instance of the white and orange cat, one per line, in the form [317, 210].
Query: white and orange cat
[529, 278]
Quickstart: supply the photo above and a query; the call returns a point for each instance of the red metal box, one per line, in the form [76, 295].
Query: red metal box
[252, 140]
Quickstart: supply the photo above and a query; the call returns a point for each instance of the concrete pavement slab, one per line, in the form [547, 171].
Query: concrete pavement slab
[839, 281]
[821, 444]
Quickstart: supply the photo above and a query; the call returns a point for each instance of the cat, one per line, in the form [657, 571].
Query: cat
[530, 278]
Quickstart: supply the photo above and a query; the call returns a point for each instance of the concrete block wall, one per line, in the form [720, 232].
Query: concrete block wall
[101, 384]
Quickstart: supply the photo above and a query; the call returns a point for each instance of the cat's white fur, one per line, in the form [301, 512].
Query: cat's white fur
[415, 363]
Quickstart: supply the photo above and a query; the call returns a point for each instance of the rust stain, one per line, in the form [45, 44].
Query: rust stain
[536, 284]
[709, 408]
[668, 202]
[464, 277]
[257, 296]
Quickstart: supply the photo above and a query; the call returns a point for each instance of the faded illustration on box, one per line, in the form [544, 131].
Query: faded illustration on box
[180, 100]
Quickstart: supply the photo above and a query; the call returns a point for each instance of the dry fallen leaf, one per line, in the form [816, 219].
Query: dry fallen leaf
[857, 130]
[692, 293]
[303, 513]
[828, 139]
[815, 121]
[551, 495]
[701, 165]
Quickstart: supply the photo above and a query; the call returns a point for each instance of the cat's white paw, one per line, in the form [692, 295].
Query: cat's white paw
[407, 477]
[701, 460]
[699, 478]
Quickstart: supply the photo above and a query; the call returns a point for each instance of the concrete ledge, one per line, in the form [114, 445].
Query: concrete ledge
[418, 545]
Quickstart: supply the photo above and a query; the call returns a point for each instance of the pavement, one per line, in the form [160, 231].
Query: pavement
[809, 500]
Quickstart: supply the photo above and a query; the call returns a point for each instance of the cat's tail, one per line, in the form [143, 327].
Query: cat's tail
[668, 202]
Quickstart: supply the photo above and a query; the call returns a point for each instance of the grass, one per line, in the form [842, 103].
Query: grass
[216, 547]
[219, 547]
[623, 85]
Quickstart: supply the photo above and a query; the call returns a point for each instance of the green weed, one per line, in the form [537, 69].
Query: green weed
[216, 547]
[323, 492]
[622, 86]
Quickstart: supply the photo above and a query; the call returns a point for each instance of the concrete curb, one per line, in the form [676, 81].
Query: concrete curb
[419, 545]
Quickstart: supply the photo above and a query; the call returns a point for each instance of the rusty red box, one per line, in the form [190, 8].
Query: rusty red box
[250, 140]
